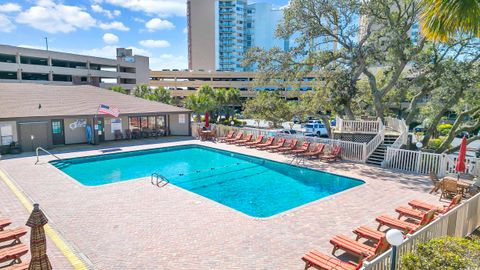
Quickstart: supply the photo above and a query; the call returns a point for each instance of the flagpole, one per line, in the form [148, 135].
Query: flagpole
[95, 130]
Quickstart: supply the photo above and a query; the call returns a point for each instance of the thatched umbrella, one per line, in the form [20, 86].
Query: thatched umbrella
[38, 241]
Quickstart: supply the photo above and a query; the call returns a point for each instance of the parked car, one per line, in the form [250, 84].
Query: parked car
[288, 131]
[296, 120]
[419, 128]
[315, 129]
[314, 121]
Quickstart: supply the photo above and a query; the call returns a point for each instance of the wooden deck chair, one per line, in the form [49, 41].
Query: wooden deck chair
[405, 226]
[12, 235]
[356, 248]
[321, 261]
[415, 212]
[13, 254]
[449, 187]
[4, 222]
[435, 181]
[368, 233]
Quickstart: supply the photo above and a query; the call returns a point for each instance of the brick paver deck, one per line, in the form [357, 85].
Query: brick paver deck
[134, 225]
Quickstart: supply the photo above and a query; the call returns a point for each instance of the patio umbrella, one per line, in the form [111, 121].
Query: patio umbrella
[460, 167]
[38, 241]
[206, 119]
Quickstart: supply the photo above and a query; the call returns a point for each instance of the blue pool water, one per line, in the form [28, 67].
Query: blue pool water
[254, 186]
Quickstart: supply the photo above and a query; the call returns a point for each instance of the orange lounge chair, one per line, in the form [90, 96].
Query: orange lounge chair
[415, 204]
[4, 222]
[316, 152]
[368, 233]
[229, 136]
[13, 253]
[267, 143]
[236, 138]
[247, 138]
[280, 143]
[321, 261]
[405, 226]
[302, 149]
[291, 146]
[404, 211]
[334, 154]
[17, 266]
[12, 235]
[258, 140]
[356, 248]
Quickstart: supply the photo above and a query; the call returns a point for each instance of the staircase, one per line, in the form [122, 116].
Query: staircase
[378, 155]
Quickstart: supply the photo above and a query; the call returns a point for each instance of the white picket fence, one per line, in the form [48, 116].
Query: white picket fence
[358, 126]
[424, 162]
[458, 222]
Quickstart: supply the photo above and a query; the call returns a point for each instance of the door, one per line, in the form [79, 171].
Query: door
[101, 129]
[58, 132]
[33, 135]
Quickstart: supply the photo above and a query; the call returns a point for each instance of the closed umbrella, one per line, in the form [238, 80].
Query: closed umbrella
[38, 241]
[460, 166]
[206, 119]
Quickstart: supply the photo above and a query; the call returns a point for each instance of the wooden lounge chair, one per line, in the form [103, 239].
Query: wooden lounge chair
[321, 261]
[247, 138]
[316, 152]
[17, 266]
[267, 143]
[12, 254]
[291, 146]
[236, 138]
[405, 226]
[229, 136]
[334, 154]
[12, 235]
[4, 222]
[280, 143]
[256, 142]
[368, 233]
[435, 181]
[449, 187]
[302, 149]
[356, 248]
[417, 212]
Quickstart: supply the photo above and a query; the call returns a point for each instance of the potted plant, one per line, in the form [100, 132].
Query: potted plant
[14, 148]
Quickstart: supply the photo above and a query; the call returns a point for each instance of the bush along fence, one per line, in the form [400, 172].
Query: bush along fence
[458, 222]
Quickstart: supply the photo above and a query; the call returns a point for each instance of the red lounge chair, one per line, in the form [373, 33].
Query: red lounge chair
[4, 222]
[356, 248]
[280, 143]
[13, 253]
[267, 143]
[316, 152]
[229, 136]
[368, 233]
[334, 154]
[302, 149]
[14, 234]
[324, 262]
[291, 146]
[256, 142]
[405, 226]
[404, 211]
[238, 137]
[17, 266]
[247, 138]
[415, 204]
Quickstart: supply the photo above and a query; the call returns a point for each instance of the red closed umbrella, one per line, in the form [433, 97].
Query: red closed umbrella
[206, 119]
[460, 168]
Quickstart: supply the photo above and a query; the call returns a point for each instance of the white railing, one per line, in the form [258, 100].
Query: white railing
[458, 222]
[375, 142]
[358, 126]
[424, 163]
[400, 126]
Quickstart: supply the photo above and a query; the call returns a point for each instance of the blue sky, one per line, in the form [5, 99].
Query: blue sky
[156, 28]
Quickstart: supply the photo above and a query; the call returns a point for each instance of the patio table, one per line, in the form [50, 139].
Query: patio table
[463, 184]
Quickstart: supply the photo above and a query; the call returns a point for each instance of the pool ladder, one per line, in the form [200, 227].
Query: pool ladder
[157, 179]
[42, 149]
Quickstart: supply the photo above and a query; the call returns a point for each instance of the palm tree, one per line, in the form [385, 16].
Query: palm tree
[442, 19]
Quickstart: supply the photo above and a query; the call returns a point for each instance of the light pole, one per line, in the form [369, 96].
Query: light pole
[395, 239]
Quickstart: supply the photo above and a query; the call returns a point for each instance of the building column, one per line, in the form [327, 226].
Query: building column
[19, 74]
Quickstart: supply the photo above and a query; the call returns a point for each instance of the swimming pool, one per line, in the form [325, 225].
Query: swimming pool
[254, 186]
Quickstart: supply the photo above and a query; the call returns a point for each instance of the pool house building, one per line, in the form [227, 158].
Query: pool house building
[38, 115]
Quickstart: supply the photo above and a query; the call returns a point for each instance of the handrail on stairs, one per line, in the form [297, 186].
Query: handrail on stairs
[38, 157]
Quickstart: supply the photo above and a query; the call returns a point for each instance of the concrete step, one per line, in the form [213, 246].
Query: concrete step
[376, 163]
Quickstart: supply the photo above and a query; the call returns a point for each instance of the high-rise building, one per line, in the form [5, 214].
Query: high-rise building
[228, 29]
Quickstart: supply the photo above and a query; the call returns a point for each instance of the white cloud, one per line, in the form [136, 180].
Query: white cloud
[6, 24]
[110, 38]
[109, 14]
[117, 12]
[168, 61]
[158, 24]
[116, 25]
[161, 8]
[10, 7]
[150, 43]
[185, 30]
[51, 17]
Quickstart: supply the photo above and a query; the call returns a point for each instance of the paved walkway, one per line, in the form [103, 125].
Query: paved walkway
[134, 225]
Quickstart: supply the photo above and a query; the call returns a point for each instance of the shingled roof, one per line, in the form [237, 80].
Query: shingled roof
[20, 100]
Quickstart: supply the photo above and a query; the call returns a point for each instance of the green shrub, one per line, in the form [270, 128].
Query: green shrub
[447, 253]
[434, 144]
[444, 129]
[227, 122]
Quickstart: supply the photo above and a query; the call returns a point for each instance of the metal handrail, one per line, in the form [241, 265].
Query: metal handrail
[41, 148]
[158, 179]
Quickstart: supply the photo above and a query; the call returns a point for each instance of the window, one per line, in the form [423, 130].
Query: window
[6, 134]
[56, 127]
[146, 122]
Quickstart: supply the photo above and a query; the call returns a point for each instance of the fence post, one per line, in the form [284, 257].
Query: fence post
[419, 159]
[364, 155]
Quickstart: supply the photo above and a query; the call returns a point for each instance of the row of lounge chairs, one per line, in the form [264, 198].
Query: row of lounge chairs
[411, 218]
[11, 247]
[282, 145]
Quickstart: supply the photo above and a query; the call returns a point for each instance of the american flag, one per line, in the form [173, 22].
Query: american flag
[105, 109]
